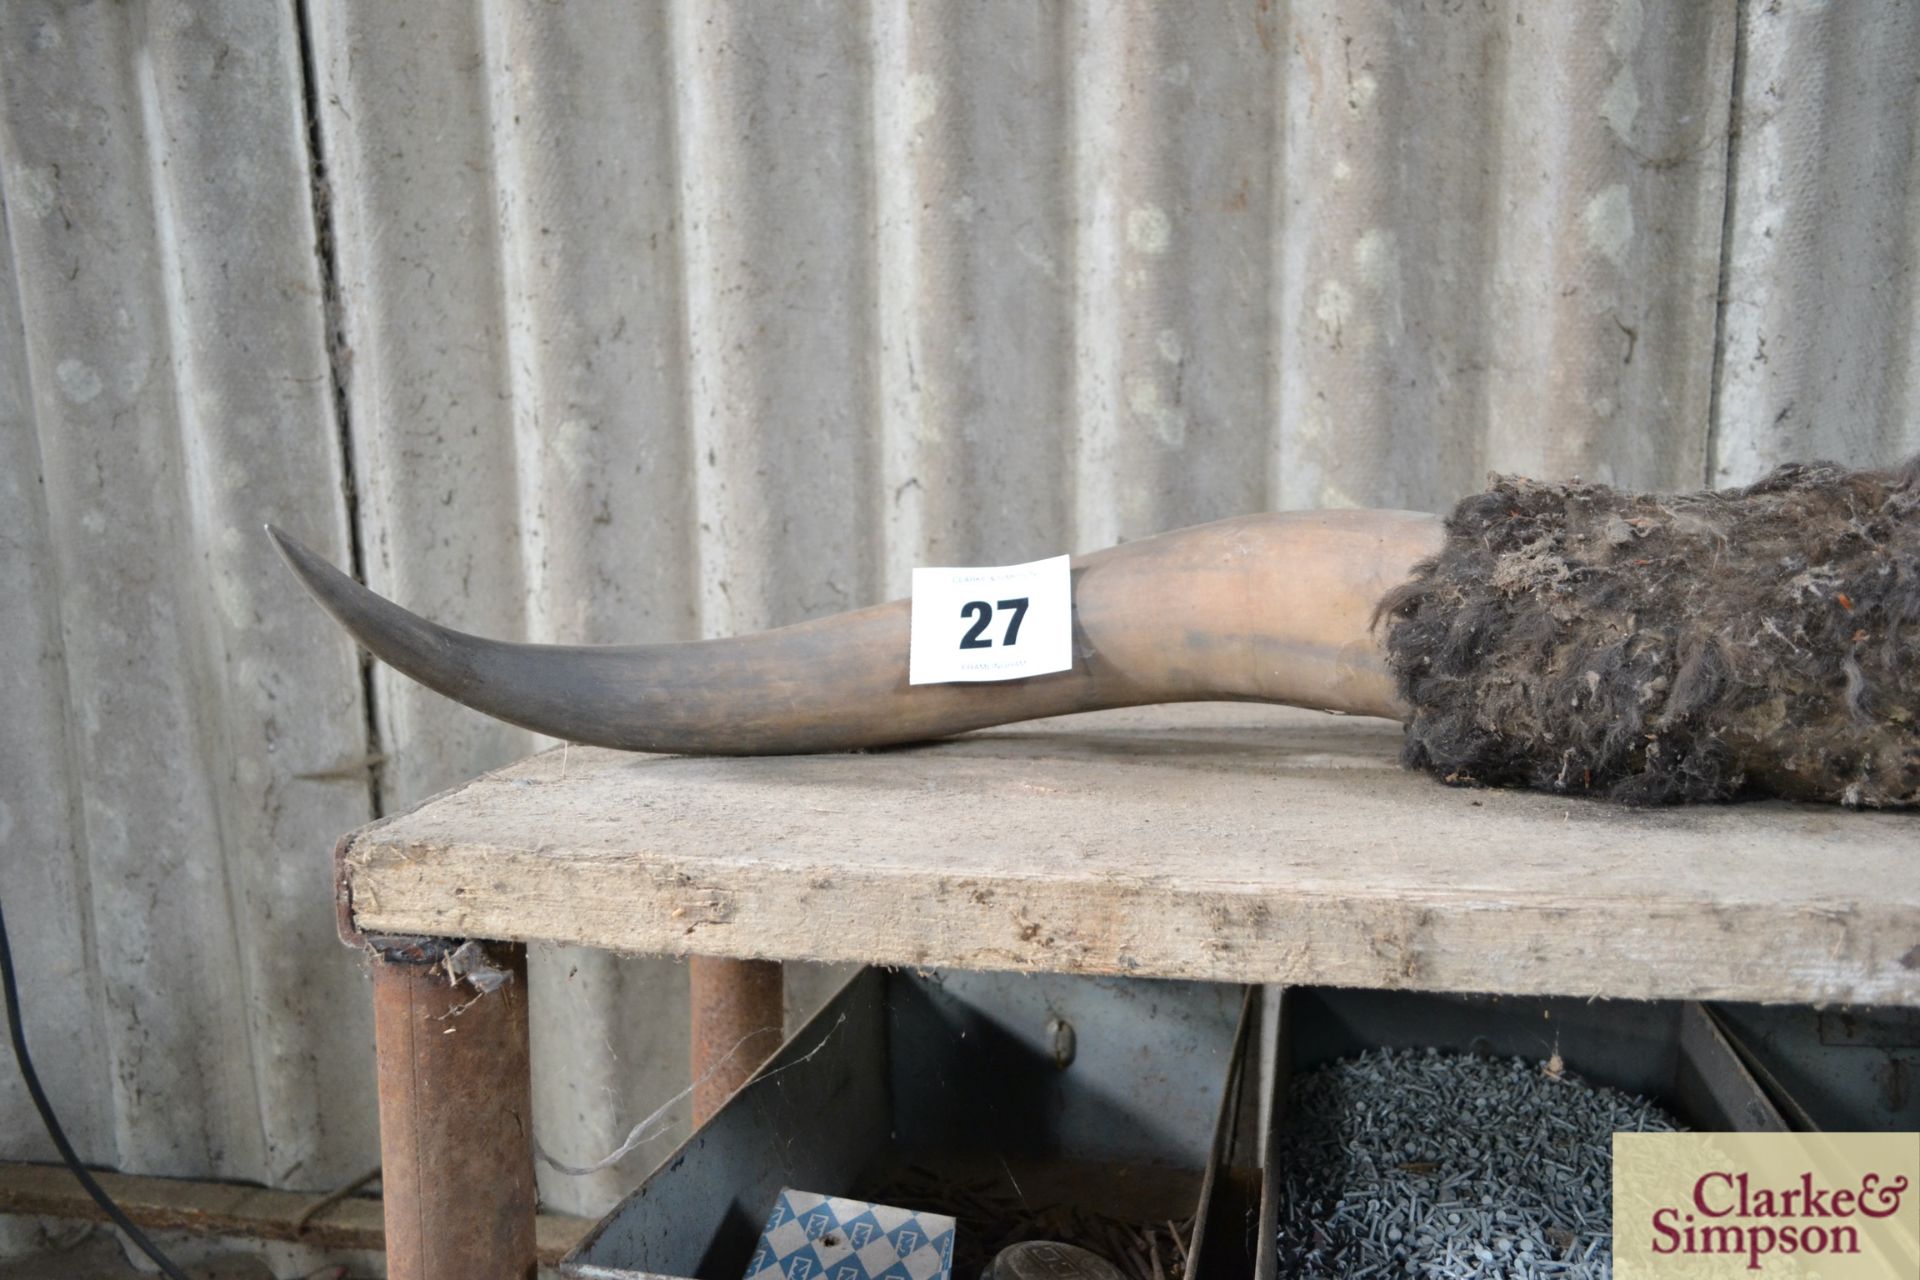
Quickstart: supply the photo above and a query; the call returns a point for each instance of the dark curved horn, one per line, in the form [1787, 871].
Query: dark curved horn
[1273, 608]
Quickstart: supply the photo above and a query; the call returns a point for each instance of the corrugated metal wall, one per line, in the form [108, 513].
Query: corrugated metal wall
[647, 322]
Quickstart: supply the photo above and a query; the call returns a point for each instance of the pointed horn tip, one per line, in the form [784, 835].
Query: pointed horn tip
[315, 572]
[294, 552]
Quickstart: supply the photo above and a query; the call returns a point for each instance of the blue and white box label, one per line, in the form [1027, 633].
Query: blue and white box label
[816, 1237]
[1002, 623]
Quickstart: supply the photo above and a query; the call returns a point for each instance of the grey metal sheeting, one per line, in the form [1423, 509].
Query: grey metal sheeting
[658, 321]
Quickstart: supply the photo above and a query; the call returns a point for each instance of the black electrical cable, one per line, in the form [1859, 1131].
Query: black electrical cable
[54, 1131]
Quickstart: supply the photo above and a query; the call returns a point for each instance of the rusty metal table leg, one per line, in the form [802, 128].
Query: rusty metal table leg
[737, 1010]
[456, 1111]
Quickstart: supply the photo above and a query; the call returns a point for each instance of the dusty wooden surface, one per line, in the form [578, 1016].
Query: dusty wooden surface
[1241, 843]
[230, 1209]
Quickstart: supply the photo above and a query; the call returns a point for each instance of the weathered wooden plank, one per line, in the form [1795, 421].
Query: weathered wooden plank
[1217, 842]
[231, 1209]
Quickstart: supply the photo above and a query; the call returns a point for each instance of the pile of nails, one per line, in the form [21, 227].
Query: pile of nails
[1411, 1162]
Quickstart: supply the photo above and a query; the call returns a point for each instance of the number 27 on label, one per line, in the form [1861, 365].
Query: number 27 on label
[1001, 623]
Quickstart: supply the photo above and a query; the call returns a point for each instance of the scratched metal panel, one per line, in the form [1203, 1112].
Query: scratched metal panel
[662, 321]
[1173, 133]
[168, 392]
[973, 243]
[1822, 323]
[43, 871]
[1498, 245]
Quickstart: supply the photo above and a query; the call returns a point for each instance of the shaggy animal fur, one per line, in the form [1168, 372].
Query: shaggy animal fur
[1662, 649]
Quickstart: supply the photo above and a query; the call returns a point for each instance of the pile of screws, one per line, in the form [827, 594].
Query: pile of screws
[1415, 1163]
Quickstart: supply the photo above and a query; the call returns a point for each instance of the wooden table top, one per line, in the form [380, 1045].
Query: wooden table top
[1212, 841]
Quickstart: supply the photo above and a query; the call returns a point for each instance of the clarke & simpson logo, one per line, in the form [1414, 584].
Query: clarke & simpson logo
[1780, 1204]
[1727, 1216]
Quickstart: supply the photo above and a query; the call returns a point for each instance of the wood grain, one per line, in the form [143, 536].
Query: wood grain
[231, 1209]
[1213, 841]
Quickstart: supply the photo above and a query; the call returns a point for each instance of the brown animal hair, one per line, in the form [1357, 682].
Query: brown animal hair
[1655, 649]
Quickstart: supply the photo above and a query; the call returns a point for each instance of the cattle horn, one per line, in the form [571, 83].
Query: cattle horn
[1267, 608]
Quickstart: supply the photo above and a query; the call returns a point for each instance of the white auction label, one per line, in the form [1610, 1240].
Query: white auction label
[991, 624]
